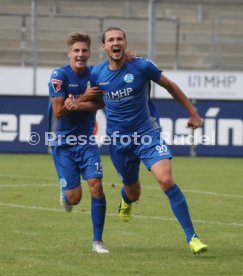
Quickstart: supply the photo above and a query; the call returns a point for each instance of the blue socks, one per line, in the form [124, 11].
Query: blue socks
[179, 207]
[124, 196]
[180, 210]
[98, 209]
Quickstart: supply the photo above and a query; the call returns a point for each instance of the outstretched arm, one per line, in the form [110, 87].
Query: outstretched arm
[194, 119]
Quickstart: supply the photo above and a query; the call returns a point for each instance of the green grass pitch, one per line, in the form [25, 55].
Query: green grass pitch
[39, 238]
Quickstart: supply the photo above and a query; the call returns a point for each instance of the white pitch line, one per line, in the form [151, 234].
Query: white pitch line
[212, 193]
[28, 185]
[198, 192]
[55, 184]
[27, 177]
[115, 215]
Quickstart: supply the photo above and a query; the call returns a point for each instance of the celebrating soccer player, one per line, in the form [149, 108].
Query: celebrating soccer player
[129, 111]
[71, 157]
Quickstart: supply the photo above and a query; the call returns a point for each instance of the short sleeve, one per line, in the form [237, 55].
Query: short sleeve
[93, 77]
[57, 85]
[149, 68]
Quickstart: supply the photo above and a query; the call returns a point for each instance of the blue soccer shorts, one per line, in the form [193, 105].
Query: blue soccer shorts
[71, 162]
[126, 157]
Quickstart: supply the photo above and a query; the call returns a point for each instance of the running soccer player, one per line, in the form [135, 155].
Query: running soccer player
[72, 158]
[126, 91]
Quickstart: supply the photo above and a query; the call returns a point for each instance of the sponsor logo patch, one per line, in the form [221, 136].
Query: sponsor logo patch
[56, 84]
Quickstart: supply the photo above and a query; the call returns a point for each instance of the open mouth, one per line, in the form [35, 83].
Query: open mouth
[116, 50]
[80, 60]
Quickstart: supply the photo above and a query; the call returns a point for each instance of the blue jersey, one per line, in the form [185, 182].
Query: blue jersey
[65, 81]
[126, 94]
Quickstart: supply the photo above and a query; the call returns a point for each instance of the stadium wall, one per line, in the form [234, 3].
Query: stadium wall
[217, 85]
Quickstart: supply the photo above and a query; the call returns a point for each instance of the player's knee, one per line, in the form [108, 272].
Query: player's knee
[74, 198]
[96, 189]
[166, 182]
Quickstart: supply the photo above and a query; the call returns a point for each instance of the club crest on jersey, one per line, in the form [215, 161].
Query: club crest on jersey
[55, 73]
[56, 84]
[128, 78]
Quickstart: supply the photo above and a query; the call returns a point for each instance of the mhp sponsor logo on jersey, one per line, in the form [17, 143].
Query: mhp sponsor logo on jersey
[119, 94]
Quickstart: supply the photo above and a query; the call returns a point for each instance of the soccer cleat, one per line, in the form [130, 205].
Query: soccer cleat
[67, 207]
[197, 246]
[125, 211]
[98, 247]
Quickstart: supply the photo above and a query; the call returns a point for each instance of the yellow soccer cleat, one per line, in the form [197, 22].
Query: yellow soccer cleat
[125, 211]
[197, 246]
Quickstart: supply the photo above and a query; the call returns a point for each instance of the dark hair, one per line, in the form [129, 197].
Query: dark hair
[78, 37]
[112, 29]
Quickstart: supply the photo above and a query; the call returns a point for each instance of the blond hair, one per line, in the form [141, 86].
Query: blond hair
[78, 37]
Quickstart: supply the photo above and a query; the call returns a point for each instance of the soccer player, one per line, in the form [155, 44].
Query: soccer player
[130, 113]
[73, 157]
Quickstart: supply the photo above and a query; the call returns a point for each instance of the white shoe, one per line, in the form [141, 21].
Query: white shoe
[99, 247]
[67, 207]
